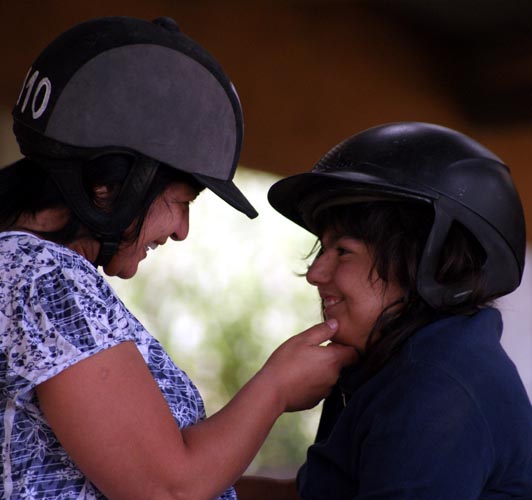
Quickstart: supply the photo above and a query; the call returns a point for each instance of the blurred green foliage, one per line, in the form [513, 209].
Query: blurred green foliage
[221, 301]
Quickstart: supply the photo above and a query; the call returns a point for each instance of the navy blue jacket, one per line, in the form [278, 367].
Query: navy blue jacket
[447, 418]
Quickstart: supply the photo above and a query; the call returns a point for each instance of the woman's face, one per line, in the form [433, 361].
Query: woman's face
[348, 292]
[166, 218]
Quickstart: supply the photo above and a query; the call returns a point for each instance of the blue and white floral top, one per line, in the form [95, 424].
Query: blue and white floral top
[56, 310]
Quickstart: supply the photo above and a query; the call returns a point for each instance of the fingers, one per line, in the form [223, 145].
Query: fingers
[321, 332]
[339, 355]
[346, 355]
[303, 371]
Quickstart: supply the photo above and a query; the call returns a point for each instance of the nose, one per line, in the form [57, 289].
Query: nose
[182, 228]
[319, 271]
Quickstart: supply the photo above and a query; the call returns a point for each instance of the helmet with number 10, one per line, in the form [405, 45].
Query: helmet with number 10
[125, 86]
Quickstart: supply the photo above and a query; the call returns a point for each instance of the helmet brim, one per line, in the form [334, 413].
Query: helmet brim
[300, 196]
[228, 192]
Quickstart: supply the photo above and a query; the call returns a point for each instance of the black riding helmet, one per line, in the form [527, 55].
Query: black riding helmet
[461, 179]
[125, 86]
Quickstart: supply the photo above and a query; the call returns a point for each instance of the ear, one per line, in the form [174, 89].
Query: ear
[101, 196]
[101, 192]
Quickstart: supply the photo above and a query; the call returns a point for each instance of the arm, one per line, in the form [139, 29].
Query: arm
[110, 416]
[265, 488]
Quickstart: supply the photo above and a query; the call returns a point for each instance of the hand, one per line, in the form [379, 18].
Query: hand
[304, 371]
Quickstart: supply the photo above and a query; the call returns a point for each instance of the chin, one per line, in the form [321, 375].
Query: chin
[124, 274]
[341, 342]
[348, 338]
[127, 274]
[340, 338]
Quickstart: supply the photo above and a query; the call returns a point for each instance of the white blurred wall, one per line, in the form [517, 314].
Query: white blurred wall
[516, 310]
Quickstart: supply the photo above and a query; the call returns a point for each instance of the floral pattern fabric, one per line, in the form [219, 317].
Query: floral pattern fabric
[56, 310]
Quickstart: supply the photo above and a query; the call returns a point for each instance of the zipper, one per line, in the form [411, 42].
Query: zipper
[344, 399]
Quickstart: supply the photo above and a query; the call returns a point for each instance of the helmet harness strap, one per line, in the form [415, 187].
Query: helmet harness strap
[106, 227]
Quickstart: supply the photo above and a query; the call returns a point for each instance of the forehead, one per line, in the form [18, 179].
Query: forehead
[333, 236]
[337, 226]
[338, 220]
[181, 191]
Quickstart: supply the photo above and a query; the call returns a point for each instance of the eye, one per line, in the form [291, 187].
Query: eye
[348, 246]
[342, 251]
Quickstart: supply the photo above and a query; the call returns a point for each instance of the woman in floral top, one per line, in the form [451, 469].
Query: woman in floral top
[122, 123]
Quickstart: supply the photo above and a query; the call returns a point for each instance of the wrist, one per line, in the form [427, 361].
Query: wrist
[269, 390]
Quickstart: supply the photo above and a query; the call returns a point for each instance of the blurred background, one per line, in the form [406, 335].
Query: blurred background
[309, 74]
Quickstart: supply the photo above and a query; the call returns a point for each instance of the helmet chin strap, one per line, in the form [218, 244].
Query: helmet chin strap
[65, 163]
[106, 227]
[105, 254]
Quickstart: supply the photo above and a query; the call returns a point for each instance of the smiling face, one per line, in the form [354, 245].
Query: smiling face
[350, 291]
[166, 218]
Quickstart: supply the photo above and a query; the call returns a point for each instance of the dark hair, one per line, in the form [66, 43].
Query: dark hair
[26, 188]
[396, 232]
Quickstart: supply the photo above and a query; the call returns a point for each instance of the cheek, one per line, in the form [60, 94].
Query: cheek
[366, 301]
[125, 262]
[392, 293]
[131, 251]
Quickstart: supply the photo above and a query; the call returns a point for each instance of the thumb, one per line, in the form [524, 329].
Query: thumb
[321, 332]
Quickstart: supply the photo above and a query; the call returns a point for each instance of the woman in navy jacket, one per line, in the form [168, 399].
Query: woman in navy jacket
[419, 229]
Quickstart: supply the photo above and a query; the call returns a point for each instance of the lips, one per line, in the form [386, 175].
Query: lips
[329, 301]
[151, 246]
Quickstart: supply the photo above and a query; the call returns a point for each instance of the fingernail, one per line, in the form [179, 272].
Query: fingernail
[333, 324]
